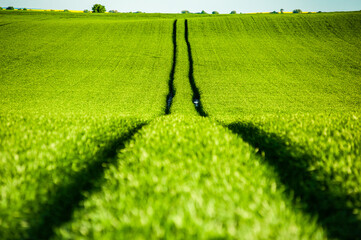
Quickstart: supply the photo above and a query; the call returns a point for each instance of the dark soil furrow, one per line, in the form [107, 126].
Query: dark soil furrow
[171, 75]
[196, 95]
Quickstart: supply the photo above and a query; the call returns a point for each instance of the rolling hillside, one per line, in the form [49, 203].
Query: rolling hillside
[261, 137]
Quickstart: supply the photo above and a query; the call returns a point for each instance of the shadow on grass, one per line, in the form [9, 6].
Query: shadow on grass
[329, 207]
[60, 208]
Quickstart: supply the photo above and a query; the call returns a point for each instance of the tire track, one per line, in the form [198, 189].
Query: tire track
[196, 95]
[331, 209]
[1, 25]
[68, 197]
[172, 72]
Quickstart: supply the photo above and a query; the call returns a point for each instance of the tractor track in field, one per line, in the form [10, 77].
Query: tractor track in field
[196, 95]
[68, 197]
[196, 98]
[171, 76]
[1, 25]
[330, 208]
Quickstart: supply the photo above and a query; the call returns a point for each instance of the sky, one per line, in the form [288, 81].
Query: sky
[176, 6]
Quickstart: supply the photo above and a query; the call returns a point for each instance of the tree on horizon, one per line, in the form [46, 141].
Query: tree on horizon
[98, 8]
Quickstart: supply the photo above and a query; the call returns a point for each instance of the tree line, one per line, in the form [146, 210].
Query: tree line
[98, 8]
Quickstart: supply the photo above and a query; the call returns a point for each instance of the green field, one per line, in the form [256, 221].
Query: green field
[167, 126]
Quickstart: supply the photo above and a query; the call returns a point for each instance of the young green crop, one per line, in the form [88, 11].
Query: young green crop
[86, 65]
[47, 161]
[189, 178]
[71, 82]
[317, 157]
[294, 84]
[257, 64]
